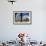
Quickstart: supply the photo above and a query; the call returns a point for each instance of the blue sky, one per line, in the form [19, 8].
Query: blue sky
[27, 14]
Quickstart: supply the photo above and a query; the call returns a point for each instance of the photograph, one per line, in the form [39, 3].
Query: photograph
[22, 17]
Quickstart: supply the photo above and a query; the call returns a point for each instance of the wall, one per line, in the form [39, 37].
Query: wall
[9, 31]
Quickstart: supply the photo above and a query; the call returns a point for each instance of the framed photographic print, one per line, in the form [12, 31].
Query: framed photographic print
[22, 17]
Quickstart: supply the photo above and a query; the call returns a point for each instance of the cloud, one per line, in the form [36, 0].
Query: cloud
[18, 17]
[24, 17]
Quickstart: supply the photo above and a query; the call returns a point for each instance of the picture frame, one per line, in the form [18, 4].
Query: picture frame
[22, 17]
